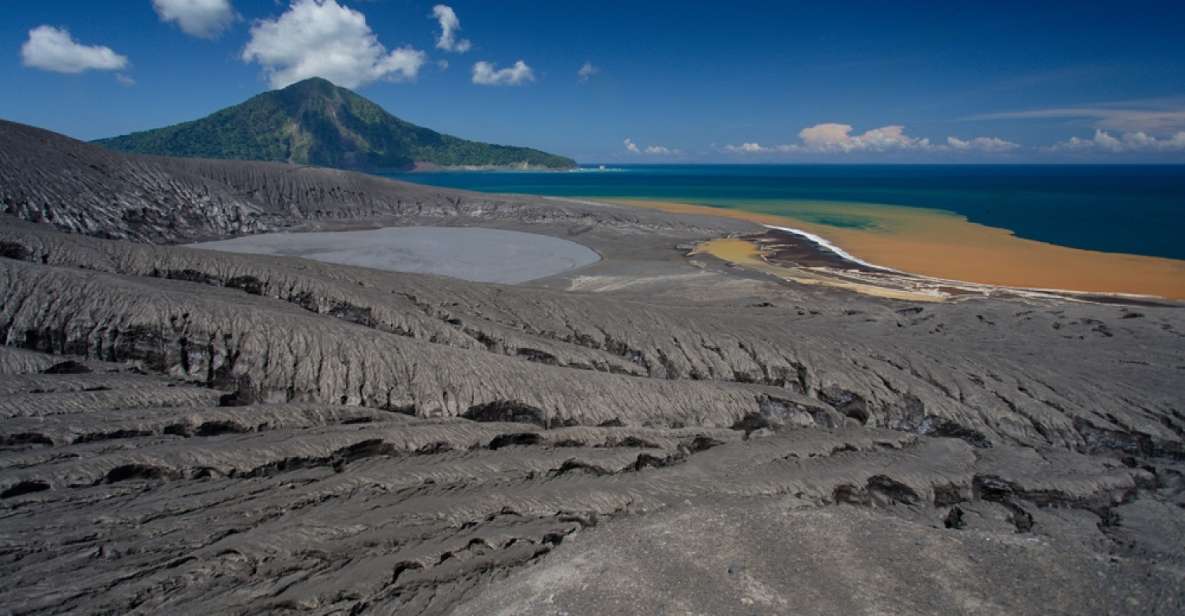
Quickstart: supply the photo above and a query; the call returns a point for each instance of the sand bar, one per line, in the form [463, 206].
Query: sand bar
[946, 245]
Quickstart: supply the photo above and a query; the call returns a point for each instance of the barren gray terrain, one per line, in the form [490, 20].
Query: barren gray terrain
[189, 431]
[475, 254]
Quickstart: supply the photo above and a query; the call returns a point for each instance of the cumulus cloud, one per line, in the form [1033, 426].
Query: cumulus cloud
[1137, 141]
[652, 150]
[125, 80]
[53, 49]
[587, 71]
[320, 38]
[833, 138]
[485, 74]
[449, 26]
[200, 18]
[981, 144]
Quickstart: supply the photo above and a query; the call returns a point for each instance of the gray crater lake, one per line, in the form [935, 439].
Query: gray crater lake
[480, 255]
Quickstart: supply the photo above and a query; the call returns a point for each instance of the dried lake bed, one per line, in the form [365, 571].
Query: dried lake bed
[475, 254]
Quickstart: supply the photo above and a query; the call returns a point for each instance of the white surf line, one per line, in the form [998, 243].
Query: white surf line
[1045, 292]
[832, 247]
[843, 254]
[601, 169]
[583, 202]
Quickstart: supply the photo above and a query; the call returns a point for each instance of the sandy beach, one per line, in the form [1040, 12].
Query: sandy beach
[945, 245]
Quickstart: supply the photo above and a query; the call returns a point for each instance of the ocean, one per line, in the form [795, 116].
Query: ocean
[1136, 209]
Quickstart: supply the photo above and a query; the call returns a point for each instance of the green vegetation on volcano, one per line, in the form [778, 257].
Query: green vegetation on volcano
[314, 122]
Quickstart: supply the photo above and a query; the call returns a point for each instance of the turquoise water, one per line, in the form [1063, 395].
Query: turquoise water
[1138, 209]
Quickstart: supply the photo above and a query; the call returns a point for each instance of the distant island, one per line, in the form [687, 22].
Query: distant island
[315, 122]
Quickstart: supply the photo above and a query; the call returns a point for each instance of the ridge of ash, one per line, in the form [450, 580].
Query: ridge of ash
[190, 432]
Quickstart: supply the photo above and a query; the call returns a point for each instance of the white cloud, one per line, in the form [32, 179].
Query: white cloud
[485, 74]
[838, 138]
[1127, 118]
[125, 80]
[1137, 141]
[200, 18]
[587, 71]
[981, 144]
[652, 150]
[449, 26]
[748, 147]
[757, 148]
[834, 138]
[53, 49]
[320, 38]
[442, 64]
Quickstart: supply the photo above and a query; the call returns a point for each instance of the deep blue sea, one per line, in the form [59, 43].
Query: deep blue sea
[1116, 208]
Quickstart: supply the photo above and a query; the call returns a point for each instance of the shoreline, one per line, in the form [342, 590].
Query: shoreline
[426, 167]
[947, 247]
[824, 244]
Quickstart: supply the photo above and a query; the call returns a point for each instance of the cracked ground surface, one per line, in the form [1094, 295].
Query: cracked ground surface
[188, 432]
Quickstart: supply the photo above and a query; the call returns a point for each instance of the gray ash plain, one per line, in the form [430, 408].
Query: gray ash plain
[191, 431]
[474, 254]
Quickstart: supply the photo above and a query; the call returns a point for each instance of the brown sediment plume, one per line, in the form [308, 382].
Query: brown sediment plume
[945, 245]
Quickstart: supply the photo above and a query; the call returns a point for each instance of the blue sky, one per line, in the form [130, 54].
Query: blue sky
[668, 81]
